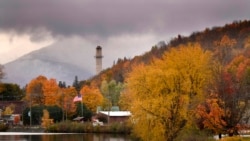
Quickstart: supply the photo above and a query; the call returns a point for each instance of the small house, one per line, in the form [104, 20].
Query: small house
[115, 116]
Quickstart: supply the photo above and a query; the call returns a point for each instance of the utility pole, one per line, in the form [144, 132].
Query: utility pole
[30, 113]
[109, 103]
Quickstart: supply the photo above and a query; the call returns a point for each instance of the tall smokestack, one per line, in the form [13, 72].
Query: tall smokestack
[98, 59]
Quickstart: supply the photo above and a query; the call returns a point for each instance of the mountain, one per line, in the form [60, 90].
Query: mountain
[66, 59]
[62, 61]
[236, 32]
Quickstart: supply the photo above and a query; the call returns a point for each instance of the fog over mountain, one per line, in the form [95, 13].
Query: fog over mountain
[70, 57]
[62, 61]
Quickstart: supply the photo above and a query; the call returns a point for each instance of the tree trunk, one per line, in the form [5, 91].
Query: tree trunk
[219, 136]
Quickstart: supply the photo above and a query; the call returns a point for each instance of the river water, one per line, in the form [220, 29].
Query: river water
[15, 136]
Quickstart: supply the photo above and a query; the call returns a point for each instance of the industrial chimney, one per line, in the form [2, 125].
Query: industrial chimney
[98, 59]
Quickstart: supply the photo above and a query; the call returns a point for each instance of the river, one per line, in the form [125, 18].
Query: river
[16, 136]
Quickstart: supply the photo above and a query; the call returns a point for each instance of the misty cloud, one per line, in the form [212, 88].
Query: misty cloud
[107, 18]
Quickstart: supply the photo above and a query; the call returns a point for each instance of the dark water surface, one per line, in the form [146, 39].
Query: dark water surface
[6, 136]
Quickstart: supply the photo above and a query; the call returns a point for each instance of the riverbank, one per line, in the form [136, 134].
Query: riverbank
[34, 129]
[73, 127]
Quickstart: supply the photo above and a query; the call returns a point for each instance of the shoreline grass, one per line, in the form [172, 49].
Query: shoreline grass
[74, 127]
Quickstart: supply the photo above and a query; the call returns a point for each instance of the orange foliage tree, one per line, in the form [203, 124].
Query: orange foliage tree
[223, 49]
[51, 92]
[211, 115]
[225, 110]
[43, 91]
[67, 104]
[34, 90]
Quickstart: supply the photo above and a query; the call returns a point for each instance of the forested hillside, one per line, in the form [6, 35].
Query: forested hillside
[237, 34]
[191, 87]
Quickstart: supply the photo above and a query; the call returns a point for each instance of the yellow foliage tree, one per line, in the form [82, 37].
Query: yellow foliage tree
[125, 100]
[91, 97]
[9, 109]
[46, 121]
[165, 92]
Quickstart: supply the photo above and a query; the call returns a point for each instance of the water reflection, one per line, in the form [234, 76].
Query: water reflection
[65, 137]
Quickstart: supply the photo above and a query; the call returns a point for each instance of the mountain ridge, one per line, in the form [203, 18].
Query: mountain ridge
[53, 62]
[237, 31]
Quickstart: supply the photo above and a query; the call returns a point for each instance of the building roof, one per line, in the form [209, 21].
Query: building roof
[78, 118]
[116, 113]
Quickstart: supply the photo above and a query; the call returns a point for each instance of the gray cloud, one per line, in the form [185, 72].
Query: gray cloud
[105, 18]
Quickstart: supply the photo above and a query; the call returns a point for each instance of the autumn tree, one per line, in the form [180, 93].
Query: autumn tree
[51, 92]
[211, 115]
[111, 91]
[247, 46]
[165, 92]
[67, 104]
[9, 109]
[125, 100]
[46, 121]
[230, 97]
[223, 49]
[34, 90]
[247, 42]
[91, 97]
[43, 91]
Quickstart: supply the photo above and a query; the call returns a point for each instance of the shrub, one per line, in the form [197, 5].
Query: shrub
[3, 127]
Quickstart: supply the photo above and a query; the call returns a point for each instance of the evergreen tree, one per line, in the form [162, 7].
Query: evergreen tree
[76, 84]
[62, 84]
[9, 91]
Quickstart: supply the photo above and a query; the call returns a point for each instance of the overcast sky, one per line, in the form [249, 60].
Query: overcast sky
[123, 27]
